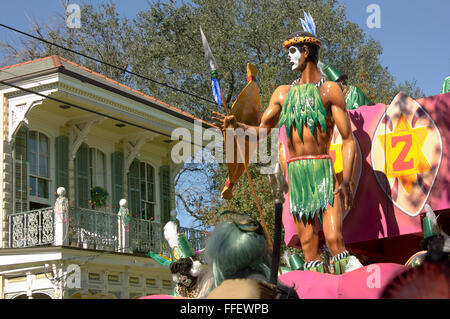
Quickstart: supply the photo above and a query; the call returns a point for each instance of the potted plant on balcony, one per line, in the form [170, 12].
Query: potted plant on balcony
[99, 197]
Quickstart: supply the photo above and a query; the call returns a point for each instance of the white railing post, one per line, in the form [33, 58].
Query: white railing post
[124, 226]
[61, 217]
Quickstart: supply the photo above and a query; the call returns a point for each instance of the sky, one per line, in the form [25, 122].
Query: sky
[414, 34]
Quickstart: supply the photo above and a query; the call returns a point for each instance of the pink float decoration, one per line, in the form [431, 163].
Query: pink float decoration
[361, 283]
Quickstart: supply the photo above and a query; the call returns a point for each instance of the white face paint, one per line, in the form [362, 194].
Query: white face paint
[294, 56]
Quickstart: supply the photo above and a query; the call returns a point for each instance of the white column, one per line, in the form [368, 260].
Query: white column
[123, 217]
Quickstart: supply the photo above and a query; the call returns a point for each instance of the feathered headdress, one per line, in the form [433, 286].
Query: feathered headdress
[178, 242]
[308, 24]
[308, 35]
[180, 247]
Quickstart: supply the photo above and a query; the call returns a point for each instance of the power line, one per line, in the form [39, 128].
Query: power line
[106, 63]
[91, 111]
[82, 108]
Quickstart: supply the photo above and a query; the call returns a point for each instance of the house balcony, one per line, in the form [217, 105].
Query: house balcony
[92, 229]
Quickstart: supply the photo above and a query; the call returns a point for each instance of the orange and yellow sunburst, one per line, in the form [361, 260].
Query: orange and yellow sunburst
[403, 149]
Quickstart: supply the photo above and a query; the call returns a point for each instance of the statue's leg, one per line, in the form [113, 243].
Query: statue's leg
[309, 239]
[332, 229]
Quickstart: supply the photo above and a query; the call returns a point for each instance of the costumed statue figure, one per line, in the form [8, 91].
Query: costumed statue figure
[185, 266]
[354, 96]
[239, 258]
[61, 209]
[309, 109]
[124, 226]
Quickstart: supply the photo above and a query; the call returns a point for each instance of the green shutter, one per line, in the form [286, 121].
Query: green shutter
[20, 170]
[134, 189]
[62, 162]
[82, 188]
[117, 178]
[165, 192]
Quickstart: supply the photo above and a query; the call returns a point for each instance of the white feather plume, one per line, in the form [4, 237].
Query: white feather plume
[171, 234]
[286, 256]
[432, 216]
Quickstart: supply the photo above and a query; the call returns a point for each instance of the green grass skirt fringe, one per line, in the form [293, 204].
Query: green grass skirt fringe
[311, 187]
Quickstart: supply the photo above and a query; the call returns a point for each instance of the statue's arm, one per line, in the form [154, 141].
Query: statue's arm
[269, 120]
[342, 121]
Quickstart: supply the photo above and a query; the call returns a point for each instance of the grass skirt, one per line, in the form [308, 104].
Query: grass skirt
[311, 187]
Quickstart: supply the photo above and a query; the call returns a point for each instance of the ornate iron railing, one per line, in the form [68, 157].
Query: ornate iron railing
[93, 229]
[145, 235]
[32, 228]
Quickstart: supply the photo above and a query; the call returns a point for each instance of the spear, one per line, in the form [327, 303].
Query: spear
[218, 96]
[211, 61]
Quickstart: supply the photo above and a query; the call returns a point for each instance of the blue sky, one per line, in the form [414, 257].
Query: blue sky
[414, 34]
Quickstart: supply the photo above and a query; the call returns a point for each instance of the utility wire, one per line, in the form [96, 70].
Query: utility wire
[91, 111]
[105, 63]
[82, 108]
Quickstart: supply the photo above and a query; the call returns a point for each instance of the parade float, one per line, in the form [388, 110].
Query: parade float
[399, 170]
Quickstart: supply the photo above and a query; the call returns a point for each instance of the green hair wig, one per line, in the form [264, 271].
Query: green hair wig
[233, 248]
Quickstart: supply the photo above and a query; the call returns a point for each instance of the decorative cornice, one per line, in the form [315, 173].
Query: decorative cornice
[38, 89]
[63, 87]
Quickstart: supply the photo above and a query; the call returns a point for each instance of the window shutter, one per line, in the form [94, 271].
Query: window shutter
[82, 177]
[117, 178]
[21, 170]
[134, 189]
[165, 192]
[62, 162]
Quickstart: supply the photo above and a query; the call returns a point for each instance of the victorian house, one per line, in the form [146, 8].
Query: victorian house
[64, 125]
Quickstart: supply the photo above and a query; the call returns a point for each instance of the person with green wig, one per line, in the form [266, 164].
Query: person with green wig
[239, 258]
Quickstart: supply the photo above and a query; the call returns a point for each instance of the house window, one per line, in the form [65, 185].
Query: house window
[97, 168]
[147, 182]
[38, 161]
[21, 189]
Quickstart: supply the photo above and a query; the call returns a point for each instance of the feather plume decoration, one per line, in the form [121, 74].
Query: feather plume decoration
[430, 214]
[171, 234]
[308, 24]
[286, 256]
